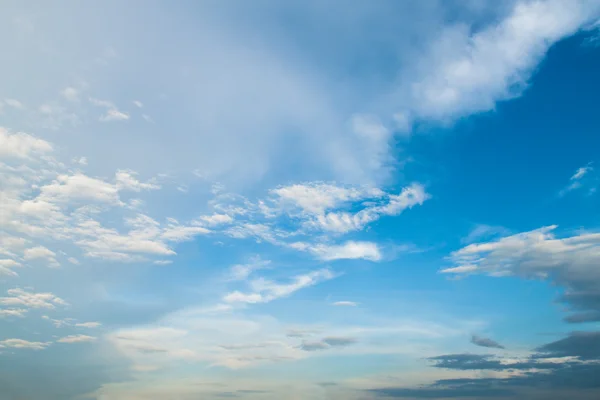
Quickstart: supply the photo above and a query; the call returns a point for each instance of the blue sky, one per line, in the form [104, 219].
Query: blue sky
[299, 200]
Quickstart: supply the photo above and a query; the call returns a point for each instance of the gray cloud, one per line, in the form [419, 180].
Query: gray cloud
[328, 342]
[485, 342]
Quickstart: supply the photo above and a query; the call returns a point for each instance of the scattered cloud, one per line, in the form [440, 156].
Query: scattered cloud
[350, 250]
[485, 342]
[138, 104]
[22, 344]
[264, 291]
[112, 112]
[12, 312]
[76, 339]
[344, 304]
[581, 179]
[23, 298]
[569, 262]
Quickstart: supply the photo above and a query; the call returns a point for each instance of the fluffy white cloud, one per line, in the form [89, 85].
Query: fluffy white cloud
[318, 197]
[570, 262]
[21, 145]
[7, 265]
[347, 251]
[23, 298]
[468, 70]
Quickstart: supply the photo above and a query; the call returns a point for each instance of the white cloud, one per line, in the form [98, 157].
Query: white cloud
[138, 104]
[347, 251]
[7, 265]
[264, 291]
[216, 219]
[12, 312]
[22, 298]
[88, 324]
[21, 145]
[467, 71]
[570, 262]
[318, 197]
[344, 304]
[112, 112]
[22, 344]
[580, 179]
[38, 252]
[76, 339]
[114, 115]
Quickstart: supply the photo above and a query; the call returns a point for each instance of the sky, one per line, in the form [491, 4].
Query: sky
[299, 200]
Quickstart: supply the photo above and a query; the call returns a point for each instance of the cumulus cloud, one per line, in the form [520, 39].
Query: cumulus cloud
[23, 298]
[570, 262]
[468, 70]
[21, 145]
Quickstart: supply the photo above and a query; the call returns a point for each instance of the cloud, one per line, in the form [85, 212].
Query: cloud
[22, 344]
[350, 250]
[6, 267]
[264, 291]
[313, 346]
[584, 345]
[485, 342]
[581, 179]
[344, 304]
[21, 145]
[112, 113]
[562, 369]
[327, 343]
[12, 312]
[23, 298]
[569, 262]
[76, 339]
[240, 272]
[469, 70]
[316, 201]
[88, 324]
[138, 104]
[482, 232]
[41, 252]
